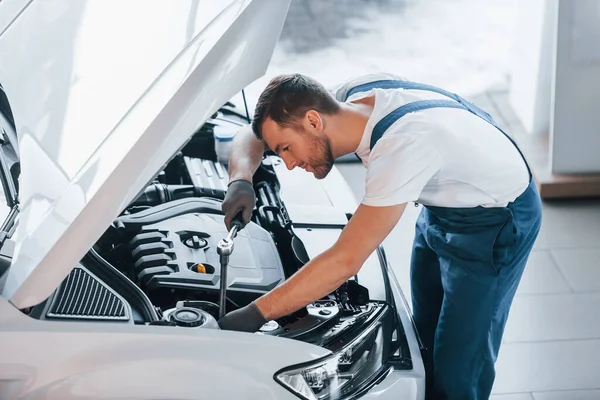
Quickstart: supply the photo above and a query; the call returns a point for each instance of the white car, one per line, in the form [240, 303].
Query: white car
[110, 273]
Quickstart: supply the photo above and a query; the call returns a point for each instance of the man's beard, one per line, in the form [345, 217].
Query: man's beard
[322, 163]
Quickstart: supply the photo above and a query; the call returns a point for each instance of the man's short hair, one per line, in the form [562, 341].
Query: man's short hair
[287, 98]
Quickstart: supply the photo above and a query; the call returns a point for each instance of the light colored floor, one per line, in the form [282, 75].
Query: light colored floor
[551, 345]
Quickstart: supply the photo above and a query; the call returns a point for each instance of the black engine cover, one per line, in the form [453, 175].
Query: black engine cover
[166, 254]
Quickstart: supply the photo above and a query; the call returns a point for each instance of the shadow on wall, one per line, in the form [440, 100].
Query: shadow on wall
[316, 24]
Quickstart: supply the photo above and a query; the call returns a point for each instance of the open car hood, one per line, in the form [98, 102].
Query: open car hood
[103, 95]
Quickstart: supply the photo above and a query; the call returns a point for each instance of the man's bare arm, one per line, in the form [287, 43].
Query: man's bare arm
[246, 154]
[366, 230]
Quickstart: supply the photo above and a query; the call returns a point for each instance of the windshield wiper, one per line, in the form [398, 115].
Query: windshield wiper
[6, 230]
[10, 192]
[7, 183]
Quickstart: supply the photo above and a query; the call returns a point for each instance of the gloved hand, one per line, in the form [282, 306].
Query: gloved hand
[245, 319]
[240, 197]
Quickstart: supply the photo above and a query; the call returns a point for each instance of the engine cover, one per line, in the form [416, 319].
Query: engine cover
[167, 254]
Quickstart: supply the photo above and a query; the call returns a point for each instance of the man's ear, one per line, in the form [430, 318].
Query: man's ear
[313, 121]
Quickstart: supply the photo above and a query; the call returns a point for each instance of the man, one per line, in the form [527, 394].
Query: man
[481, 210]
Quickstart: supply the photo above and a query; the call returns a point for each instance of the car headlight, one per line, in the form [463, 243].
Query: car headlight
[340, 375]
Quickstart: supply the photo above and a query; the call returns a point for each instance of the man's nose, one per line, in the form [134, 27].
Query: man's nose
[290, 163]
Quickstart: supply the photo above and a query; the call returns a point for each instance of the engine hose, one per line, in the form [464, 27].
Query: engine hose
[270, 222]
[159, 193]
[269, 199]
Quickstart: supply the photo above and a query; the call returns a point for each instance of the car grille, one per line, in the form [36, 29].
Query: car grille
[82, 296]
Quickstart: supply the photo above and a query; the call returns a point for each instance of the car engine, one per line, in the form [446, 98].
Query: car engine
[180, 252]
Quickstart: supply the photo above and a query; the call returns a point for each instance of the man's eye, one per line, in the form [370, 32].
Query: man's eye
[286, 148]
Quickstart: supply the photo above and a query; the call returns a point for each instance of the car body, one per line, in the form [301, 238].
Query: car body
[110, 276]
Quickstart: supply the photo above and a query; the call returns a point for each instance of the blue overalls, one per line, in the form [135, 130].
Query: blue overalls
[465, 268]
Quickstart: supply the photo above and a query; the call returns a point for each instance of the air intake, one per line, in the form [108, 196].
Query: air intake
[83, 296]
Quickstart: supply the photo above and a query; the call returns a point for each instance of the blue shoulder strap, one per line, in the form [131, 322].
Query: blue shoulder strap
[396, 84]
[400, 112]
[456, 102]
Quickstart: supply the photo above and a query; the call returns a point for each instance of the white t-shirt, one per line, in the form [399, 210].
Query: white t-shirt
[443, 157]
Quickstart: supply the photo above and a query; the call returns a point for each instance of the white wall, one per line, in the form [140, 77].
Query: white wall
[575, 115]
[531, 64]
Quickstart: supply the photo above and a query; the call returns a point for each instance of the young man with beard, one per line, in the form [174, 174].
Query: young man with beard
[481, 210]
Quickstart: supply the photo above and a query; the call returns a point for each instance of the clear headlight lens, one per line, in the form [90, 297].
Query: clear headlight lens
[338, 376]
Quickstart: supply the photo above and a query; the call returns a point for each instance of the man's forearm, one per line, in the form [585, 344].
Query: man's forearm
[246, 155]
[319, 277]
[323, 274]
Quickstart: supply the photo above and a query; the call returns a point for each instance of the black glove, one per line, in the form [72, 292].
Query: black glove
[245, 319]
[240, 198]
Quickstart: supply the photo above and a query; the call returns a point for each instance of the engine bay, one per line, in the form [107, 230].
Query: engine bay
[158, 262]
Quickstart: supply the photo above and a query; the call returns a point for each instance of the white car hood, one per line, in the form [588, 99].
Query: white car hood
[103, 94]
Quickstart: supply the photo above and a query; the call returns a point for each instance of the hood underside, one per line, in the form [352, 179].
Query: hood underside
[110, 93]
